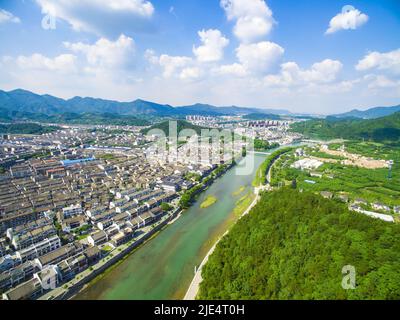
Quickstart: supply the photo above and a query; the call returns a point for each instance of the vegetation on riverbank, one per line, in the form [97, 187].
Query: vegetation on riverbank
[238, 191]
[243, 203]
[188, 196]
[260, 177]
[208, 201]
[262, 145]
[294, 246]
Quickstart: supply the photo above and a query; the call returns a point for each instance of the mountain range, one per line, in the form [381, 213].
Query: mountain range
[372, 113]
[28, 102]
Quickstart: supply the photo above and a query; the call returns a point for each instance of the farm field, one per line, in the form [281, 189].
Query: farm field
[342, 177]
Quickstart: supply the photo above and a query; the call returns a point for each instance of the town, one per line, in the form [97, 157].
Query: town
[75, 200]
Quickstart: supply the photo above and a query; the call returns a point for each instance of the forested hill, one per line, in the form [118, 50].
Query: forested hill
[294, 245]
[26, 128]
[380, 130]
[73, 118]
[181, 125]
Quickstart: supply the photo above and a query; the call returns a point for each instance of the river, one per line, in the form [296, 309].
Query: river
[164, 267]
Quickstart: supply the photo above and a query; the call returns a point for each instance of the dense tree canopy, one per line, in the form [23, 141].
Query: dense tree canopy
[380, 130]
[294, 245]
[262, 145]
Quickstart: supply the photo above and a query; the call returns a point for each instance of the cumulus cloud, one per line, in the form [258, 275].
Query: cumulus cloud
[64, 63]
[259, 57]
[389, 61]
[102, 17]
[292, 75]
[235, 69]
[6, 16]
[105, 54]
[176, 67]
[253, 18]
[151, 57]
[350, 18]
[173, 64]
[213, 46]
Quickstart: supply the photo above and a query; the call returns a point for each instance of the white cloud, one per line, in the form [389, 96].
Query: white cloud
[6, 16]
[348, 19]
[173, 64]
[102, 17]
[389, 61]
[380, 81]
[151, 57]
[64, 63]
[253, 18]
[213, 46]
[292, 75]
[191, 73]
[106, 54]
[259, 57]
[235, 69]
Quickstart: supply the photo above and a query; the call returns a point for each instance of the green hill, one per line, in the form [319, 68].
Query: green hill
[26, 128]
[371, 113]
[385, 129]
[73, 118]
[294, 245]
[261, 116]
[181, 125]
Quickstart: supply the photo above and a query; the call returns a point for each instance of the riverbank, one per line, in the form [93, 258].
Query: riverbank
[265, 171]
[163, 267]
[197, 279]
[70, 289]
[89, 277]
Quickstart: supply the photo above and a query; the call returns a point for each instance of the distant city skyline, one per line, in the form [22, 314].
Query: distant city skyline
[321, 57]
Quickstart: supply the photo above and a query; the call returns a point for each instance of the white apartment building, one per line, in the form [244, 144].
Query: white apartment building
[39, 249]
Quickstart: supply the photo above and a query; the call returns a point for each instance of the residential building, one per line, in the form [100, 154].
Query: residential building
[39, 249]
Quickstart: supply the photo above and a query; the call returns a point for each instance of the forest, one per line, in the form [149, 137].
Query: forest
[385, 129]
[293, 245]
[26, 128]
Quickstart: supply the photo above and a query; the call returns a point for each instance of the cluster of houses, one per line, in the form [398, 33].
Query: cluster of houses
[58, 211]
[47, 205]
[384, 212]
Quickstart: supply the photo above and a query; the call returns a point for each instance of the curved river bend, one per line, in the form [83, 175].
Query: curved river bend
[164, 267]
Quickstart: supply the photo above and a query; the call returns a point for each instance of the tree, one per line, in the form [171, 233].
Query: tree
[166, 206]
[294, 245]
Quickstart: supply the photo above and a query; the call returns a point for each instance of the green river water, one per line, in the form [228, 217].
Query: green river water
[164, 267]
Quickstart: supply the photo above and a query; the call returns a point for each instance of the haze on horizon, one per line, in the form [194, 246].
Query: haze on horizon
[321, 57]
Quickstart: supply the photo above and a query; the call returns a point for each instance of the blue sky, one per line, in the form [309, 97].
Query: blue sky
[307, 56]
